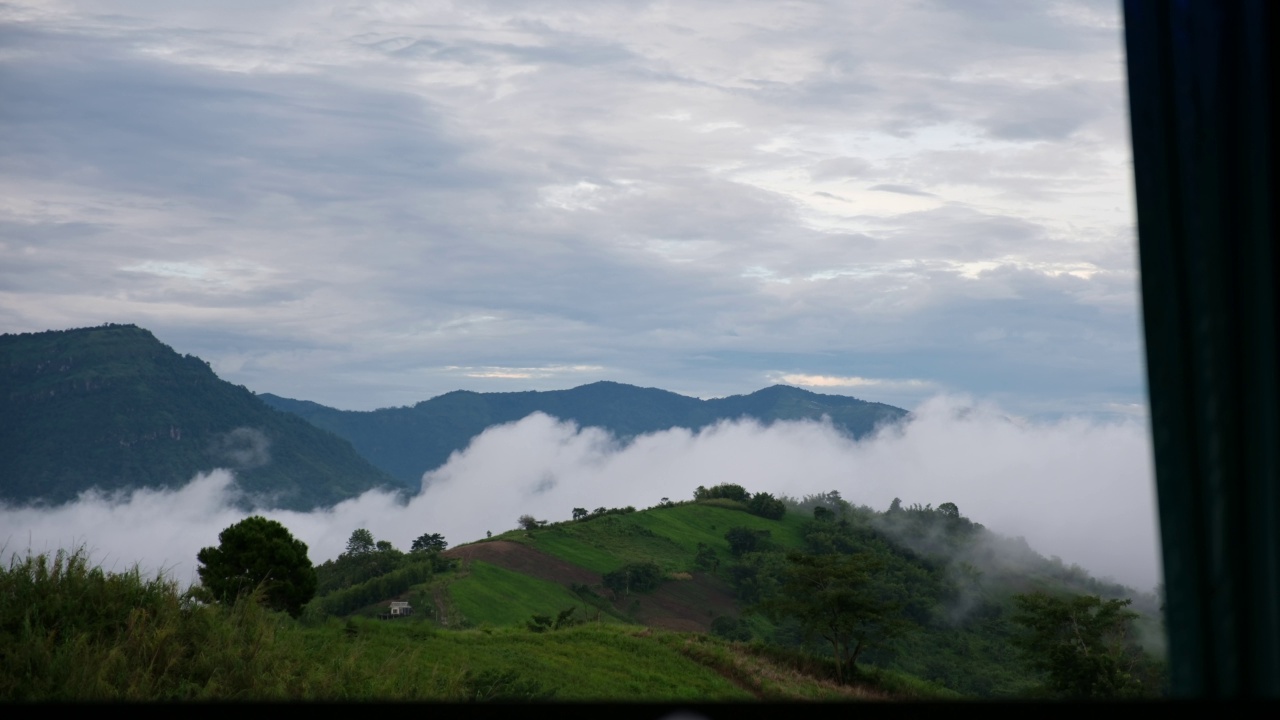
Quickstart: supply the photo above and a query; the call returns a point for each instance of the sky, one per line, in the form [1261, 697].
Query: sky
[369, 204]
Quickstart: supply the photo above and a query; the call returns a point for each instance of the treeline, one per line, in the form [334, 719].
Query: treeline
[762, 504]
[372, 571]
[388, 585]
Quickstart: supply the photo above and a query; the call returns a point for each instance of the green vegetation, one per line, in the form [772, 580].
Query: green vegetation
[140, 415]
[405, 442]
[69, 631]
[836, 598]
[258, 553]
[837, 602]
[1086, 647]
[487, 594]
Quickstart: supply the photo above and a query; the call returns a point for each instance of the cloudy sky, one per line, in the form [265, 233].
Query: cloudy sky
[368, 204]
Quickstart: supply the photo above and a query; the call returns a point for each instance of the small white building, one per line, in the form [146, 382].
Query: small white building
[400, 609]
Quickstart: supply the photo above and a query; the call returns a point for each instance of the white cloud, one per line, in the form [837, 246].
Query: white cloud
[836, 381]
[1078, 489]
[320, 189]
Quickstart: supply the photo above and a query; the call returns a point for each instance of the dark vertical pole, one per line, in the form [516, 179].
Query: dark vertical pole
[1202, 95]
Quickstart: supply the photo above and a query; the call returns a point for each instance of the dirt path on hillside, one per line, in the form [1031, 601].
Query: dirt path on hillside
[681, 605]
[524, 559]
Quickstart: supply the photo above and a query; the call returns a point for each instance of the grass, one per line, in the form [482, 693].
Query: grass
[485, 593]
[667, 536]
[70, 631]
[590, 662]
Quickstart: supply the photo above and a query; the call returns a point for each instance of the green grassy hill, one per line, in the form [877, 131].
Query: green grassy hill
[952, 584]
[674, 603]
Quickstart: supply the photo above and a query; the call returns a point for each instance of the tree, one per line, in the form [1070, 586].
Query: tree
[530, 523]
[579, 513]
[728, 491]
[360, 542]
[1083, 643]
[259, 552]
[766, 506]
[746, 540]
[706, 558]
[636, 576]
[835, 598]
[430, 543]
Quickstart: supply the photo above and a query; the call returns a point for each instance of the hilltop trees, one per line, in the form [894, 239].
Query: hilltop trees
[766, 506]
[762, 503]
[529, 523]
[429, 543]
[727, 491]
[361, 542]
[254, 552]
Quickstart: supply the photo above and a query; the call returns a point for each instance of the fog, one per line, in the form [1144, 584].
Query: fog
[1075, 488]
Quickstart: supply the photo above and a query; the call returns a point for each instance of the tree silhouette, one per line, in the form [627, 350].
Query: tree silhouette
[360, 542]
[259, 552]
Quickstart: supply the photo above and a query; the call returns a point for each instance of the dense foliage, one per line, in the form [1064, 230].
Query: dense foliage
[835, 600]
[140, 415]
[408, 441]
[633, 577]
[1086, 647]
[258, 554]
[70, 631]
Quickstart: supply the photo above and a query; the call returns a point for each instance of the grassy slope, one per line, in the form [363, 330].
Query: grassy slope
[487, 594]
[591, 662]
[667, 536]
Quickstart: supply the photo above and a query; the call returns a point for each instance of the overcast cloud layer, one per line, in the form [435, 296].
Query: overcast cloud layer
[368, 204]
[1079, 490]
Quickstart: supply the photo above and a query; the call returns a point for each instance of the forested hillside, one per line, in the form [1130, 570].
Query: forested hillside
[921, 593]
[112, 407]
[409, 441]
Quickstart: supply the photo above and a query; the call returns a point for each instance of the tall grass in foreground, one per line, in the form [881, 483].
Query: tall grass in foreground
[70, 631]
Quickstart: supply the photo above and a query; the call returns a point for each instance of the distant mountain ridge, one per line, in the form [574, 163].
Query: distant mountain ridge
[114, 408]
[406, 442]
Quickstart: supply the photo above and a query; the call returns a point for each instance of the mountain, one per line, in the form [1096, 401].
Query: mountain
[406, 442]
[114, 408]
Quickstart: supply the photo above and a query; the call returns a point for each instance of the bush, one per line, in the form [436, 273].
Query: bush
[727, 491]
[766, 506]
[637, 577]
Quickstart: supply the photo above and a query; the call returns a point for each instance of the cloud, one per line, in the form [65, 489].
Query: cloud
[1075, 488]
[524, 373]
[324, 200]
[830, 381]
[243, 448]
[903, 189]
